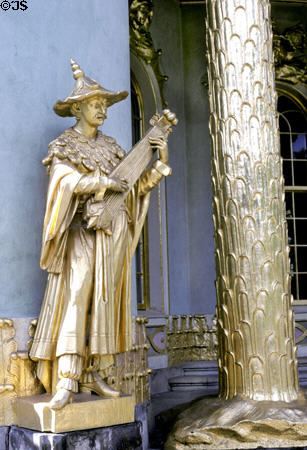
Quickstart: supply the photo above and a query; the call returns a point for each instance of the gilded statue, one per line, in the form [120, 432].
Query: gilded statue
[141, 42]
[85, 317]
[290, 54]
[141, 14]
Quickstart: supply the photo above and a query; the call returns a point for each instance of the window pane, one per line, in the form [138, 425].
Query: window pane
[300, 200]
[301, 232]
[285, 146]
[292, 260]
[287, 173]
[299, 146]
[293, 287]
[297, 121]
[292, 126]
[300, 173]
[289, 206]
[301, 259]
[302, 280]
[290, 232]
[284, 126]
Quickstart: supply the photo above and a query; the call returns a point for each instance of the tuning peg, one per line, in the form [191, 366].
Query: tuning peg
[170, 116]
[154, 119]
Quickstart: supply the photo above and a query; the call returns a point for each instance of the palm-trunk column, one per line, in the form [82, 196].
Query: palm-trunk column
[255, 322]
[260, 403]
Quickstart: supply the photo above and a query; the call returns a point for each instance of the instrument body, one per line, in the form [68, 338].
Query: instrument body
[101, 209]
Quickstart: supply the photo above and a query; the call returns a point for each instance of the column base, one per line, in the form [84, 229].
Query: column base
[219, 424]
[86, 412]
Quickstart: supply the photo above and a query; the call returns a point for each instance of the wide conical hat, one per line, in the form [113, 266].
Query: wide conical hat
[85, 88]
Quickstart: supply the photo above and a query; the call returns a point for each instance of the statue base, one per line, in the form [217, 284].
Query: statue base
[126, 436]
[86, 412]
[213, 423]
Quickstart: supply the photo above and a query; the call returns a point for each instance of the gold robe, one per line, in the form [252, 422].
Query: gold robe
[87, 306]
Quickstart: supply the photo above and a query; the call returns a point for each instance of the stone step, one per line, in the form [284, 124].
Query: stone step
[302, 371]
[206, 374]
[193, 382]
[202, 368]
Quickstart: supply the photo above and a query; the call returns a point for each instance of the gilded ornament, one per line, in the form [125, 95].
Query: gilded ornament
[141, 42]
[7, 388]
[290, 54]
[191, 340]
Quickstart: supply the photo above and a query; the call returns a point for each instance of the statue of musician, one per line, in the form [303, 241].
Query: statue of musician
[86, 314]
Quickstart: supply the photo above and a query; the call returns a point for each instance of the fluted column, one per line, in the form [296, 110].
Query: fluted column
[255, 321]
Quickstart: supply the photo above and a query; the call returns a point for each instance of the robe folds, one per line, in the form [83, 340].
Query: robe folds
[87, 306]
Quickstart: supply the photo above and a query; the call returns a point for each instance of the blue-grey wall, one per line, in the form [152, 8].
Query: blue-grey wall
[201, 243]
[36, 47]
[180, 32]
[166, 32]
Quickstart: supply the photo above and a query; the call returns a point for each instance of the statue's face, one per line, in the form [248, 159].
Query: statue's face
[93, 112]
[141, 11]
[144, 16]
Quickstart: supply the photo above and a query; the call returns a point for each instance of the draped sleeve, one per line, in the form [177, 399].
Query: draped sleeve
[61, 206]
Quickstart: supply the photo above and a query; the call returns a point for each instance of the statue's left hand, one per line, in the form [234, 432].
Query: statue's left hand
[160, 144]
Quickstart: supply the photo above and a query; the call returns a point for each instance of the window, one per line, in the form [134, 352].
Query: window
[141, 252]
[292, 124]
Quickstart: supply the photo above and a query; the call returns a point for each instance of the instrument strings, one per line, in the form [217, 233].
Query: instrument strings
[131, 168]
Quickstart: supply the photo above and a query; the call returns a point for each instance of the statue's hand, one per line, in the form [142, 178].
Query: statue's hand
[160, 144]
[115, 183]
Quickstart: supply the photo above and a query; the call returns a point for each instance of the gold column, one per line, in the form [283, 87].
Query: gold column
[255, 321]
[260, 404]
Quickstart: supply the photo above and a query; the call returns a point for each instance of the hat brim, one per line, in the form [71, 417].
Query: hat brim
[63, 107]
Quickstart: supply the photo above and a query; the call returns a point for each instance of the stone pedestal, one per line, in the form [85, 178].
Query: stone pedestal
[86, 411]
[127, 436]
[4, 437]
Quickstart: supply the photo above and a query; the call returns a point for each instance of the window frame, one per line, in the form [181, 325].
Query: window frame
[300, 101]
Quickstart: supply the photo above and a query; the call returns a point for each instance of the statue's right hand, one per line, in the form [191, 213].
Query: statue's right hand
[115, 183]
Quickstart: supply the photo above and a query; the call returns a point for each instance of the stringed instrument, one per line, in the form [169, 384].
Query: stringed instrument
[101, 209]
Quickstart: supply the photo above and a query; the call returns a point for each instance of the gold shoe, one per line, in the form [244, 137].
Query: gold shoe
[100, 387]
[61, 399]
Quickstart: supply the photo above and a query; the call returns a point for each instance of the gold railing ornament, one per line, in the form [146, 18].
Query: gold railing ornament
[7, 388]
[191, 340]
[17, 374]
